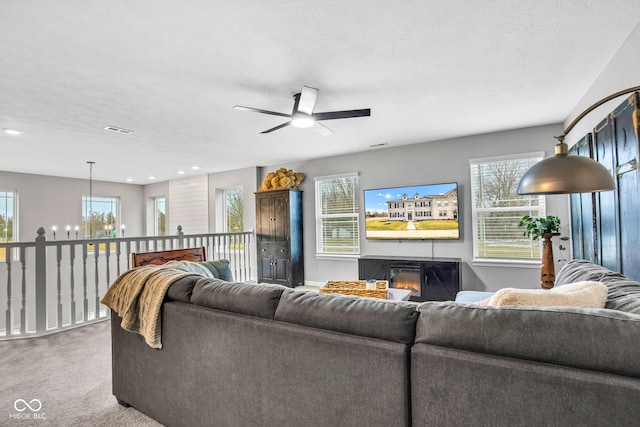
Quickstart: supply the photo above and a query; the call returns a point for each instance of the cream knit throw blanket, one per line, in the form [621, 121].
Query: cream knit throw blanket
[137, 295]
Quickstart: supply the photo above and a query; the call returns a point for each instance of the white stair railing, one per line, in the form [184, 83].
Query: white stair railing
[47, 286]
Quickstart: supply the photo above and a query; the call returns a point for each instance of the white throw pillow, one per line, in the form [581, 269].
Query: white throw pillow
[579, 294]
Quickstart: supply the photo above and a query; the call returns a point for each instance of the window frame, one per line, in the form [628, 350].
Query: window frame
[354, 217]
[118, 219]
[529, 208]
[156, 215]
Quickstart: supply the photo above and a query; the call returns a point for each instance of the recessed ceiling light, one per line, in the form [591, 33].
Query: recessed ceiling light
[195, 168]
[152, 178]
[382, 144]
[118, 130]
[180, 172]
[13, 131]
[129, 179]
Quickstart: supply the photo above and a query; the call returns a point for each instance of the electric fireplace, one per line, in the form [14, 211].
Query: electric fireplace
[428, 279]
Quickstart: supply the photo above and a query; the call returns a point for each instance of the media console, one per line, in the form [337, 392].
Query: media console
[429, 279]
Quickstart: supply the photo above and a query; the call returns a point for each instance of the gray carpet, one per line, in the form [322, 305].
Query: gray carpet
[70, 374]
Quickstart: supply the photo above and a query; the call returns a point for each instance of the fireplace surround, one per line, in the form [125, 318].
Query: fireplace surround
[429, 279]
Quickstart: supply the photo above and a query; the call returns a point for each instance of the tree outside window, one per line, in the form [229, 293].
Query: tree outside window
[234, 210]
[161, 216]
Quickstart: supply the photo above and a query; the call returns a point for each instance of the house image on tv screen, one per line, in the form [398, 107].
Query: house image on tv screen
[412, 212]
[424, 207]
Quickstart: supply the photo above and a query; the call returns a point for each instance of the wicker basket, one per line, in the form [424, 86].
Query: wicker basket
[356, 287]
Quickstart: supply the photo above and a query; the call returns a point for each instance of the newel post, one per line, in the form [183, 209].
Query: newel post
[41, 281]
[180, 238]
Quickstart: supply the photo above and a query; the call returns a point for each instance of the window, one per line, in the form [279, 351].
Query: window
[337, 215]
[161, 216]
[233, 210]
[8, 215]
[496, 209]
[8, 208]
[100, 216]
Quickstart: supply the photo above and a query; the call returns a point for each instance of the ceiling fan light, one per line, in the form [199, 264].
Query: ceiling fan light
[301, 120]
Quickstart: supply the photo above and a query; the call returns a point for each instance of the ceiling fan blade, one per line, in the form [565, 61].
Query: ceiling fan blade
[276, 128]
[257, 110]
[332, 115]
[322, 129]
[308, 98]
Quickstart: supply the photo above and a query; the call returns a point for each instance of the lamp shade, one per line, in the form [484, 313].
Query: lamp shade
[563, 173]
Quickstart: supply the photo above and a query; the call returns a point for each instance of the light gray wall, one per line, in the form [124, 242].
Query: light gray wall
[44, 201]
[434, 162]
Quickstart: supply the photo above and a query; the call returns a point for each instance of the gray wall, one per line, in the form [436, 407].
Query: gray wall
[435, 162]
[44, 201]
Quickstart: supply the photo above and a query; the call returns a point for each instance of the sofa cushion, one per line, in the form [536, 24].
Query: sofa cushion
[597, 339]
[579, 294]
[623, 294]
[219, 268]
[182, 289]
[243, 298]
[387, 320]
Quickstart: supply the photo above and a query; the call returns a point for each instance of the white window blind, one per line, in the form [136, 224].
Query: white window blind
[497, 209]
[337, 215]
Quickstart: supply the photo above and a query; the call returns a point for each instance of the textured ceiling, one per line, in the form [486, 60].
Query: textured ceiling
[172, 70]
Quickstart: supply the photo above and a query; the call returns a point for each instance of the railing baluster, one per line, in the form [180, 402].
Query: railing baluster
[96, 307]
[118, 245]
[9, 311]
[107, 254]
[23, 308]
[85, 302]
[59, 285]
[72, 257]
[128, 255]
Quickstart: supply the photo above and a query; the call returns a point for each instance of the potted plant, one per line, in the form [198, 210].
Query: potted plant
[543, 228]
[536, 228]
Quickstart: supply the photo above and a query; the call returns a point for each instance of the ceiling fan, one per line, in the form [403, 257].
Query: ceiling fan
[303, 116]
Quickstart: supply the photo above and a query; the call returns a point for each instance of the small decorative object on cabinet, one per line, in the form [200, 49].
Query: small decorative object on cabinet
[279, 237]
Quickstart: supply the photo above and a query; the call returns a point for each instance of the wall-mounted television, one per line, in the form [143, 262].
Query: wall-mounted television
[414, 212]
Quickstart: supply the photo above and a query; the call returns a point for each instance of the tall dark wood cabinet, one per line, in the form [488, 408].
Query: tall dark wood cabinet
[279, 237]
[606, 225]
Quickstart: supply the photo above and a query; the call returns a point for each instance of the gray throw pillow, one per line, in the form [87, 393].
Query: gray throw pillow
[219, 268]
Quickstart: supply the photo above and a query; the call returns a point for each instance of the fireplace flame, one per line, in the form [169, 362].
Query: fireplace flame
[412, 286]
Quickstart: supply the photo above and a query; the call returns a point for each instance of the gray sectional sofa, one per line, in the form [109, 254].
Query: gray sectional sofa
[237, 354]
